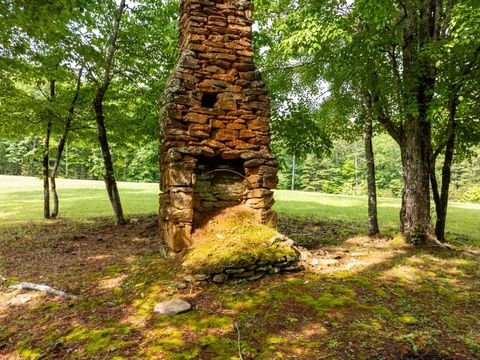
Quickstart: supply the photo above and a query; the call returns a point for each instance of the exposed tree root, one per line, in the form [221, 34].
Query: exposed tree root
[42, 288]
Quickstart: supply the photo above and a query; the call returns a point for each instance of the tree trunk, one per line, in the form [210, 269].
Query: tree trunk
[110, 181]
[292, 186]
[434, 184]
[446, 169]
[372, 186]
[61, 146]
[46, 157]
[421, 27]
[416, 224]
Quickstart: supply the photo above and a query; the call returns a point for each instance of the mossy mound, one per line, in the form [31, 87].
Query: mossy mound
[234, 239]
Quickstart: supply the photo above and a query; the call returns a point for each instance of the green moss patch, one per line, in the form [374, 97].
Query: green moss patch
[234, 238]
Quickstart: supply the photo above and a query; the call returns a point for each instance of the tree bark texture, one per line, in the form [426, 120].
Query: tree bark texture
[416, 224]
[46, 157]
[372, 186]
[420, 28]
[61, 146]
[110, 181]
[442, 205]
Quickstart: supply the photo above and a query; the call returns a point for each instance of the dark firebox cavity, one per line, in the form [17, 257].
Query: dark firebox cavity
[219, 184]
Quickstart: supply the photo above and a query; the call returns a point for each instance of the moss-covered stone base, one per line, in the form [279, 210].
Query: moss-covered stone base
[233, 245]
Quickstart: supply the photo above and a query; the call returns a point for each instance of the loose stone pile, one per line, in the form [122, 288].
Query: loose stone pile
[249, 272]
[215, 113]
[239, 255]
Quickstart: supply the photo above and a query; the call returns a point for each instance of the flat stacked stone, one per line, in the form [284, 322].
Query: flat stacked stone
[215, 107]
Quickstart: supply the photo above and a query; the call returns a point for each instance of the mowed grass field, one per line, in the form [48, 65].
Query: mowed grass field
[21, 200]
[359, 298]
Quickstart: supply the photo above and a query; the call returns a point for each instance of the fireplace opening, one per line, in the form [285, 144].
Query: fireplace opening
[219, 184]
[209, 100]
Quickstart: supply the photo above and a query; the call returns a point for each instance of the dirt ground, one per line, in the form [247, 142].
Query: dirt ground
[359, 298]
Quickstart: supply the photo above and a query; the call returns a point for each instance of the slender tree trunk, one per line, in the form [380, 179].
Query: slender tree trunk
[446, 169]
[61, 146]
[292, 186]
[110, 181]
[46, 157]
[372, 186]
[66, 161]
[434, 184]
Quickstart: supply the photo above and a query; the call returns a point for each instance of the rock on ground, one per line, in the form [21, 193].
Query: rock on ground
[172, 307]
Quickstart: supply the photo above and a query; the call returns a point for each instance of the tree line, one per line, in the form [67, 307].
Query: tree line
[342, 171]
[409, 69]
[84, 77]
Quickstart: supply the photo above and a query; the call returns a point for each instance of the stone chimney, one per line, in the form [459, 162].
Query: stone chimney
[215, 122]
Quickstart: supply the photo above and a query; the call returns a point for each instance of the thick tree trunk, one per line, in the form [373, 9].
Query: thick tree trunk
[46, 157]
[421, 27]
[416, 224]
[372, 186]
[61, 146]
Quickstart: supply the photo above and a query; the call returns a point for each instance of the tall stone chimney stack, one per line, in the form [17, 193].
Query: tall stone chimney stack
[215, 122]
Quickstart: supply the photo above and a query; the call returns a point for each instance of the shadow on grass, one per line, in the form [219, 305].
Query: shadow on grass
[416, 303]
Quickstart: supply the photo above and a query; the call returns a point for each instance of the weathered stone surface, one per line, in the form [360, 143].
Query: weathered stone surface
[293, 268]
[196, 150]
[201, 277]
[256, 276]
[232, 154]
[178, 236]
[220, 278]
[172, 307]
[225, 134]
[181, 215]
[270, 181]
[215, 145]
[246, 134]
[197, 118]
[274, 270]
[181, 198]
[178, 177]
[260, 203]
[259, 193]
[199, 130]
[215, 113]
[234, 271]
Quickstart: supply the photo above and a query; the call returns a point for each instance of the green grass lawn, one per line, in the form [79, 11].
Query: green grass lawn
[21, 200]
[366, 298]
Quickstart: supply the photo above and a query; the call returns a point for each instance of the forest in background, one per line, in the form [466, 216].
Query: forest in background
[80, 83]
[342, 171]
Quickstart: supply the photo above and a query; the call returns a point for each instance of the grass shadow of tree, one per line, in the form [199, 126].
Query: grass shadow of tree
[369, 313]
